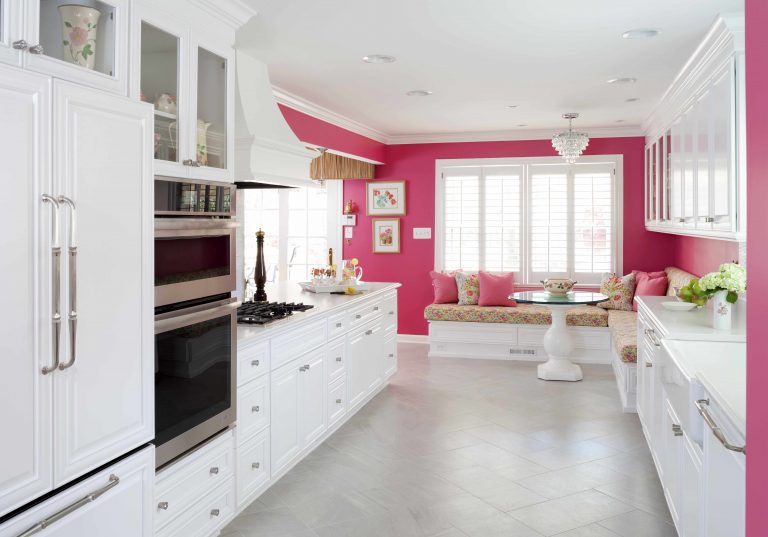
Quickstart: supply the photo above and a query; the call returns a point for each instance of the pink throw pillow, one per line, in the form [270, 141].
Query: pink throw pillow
[496, 288]
[650, 284]
[444, 285]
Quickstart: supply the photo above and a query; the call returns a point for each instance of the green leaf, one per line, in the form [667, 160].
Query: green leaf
[732, 297]
[65, 43]
[68, 25]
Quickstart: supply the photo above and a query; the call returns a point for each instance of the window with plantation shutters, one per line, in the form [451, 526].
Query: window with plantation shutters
[539, 218]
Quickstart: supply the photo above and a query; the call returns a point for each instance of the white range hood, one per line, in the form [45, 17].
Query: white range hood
[266, 149]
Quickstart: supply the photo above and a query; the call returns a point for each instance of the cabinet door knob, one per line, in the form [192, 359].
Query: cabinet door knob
[188, 162]
[215, 512]
[307, 367]
[338, 325]
[368, 332]
[214, 470]
[37, 49]
[163, 506]
[255, 363]
[255, 408]
[391, 355]
[338, 401]
[20, 45]
[375, 308]
[255, 465]
[648, 364]
[338, 358]
[677, 430]
[358, 316]
[392, 312]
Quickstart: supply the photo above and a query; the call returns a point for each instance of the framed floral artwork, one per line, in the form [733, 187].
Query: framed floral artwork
[385, 198]
[386, 235]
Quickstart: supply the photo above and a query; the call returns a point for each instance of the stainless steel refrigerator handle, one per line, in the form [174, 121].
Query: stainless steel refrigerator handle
[85, 500]
[72, 310]
[701, 404]
[55, 283]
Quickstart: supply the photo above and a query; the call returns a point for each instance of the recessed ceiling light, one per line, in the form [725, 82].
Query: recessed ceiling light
[631, 100]
[511, 106]
[622, 80]
[619, 121]
[379, 58]
[522, 125]
[641, 33]
[418, 93]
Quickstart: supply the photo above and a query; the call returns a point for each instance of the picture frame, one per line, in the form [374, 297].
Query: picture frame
[385, 198]
[386, 235]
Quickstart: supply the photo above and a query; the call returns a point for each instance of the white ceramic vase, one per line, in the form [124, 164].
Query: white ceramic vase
[721, 311]
[80, 24]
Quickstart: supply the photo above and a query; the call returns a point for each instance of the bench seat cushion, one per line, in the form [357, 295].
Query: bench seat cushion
[522, 314]
[624, 334]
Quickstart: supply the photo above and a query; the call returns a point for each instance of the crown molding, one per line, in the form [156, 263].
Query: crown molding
[319, 112]
[511, 135]
[233, 13]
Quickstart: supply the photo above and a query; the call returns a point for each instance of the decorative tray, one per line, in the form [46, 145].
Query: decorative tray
[333, 288]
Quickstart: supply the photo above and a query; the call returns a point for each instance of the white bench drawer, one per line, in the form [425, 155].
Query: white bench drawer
[252, 361]
[253, 407]
[207, 516]
[335, 359]
[337, 401]
[299, 341]
[178, 487]
[252, 467]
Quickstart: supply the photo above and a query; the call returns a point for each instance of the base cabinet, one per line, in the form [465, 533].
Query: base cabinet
[120, 505]
[285, 434]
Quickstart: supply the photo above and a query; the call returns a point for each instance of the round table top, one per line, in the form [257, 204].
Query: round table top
[574, 298]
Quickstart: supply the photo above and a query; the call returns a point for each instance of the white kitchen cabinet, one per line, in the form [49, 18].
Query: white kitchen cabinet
[253, 471]
[115, 502]
[365, 362]
[314, 386]
[670, 458]
[25, 329]
[103, 390]
[11, 29]
[285, 435]
[690, 489]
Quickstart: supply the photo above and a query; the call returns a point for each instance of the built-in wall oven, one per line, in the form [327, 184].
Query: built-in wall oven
[195, 314]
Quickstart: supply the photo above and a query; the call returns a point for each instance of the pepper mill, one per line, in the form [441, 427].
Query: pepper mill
[260, 272]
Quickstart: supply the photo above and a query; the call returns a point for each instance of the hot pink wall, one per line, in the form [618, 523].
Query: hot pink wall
[416, 163]
[699, 256]
[757, 266]
[324, 134]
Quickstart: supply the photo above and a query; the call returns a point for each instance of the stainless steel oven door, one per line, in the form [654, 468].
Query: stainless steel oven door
[194, 258]
[195, 376]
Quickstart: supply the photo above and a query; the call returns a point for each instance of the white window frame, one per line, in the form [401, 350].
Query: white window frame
[524, 277]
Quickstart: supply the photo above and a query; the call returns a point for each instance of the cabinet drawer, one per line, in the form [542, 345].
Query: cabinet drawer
[335, 359]
[205, 517]
[252, 362]
[297, 342]
[364, 313]
[390, 354]
[178, 487]
[338, 324]
[390, 312]
[253, 407]
[252, 467]
[337, 401]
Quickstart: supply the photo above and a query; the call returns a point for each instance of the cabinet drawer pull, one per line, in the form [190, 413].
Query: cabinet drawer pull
[37, 49]
[255, 363]
[338, 358]
[302, 368]
[55, 283]
[163, 506]
[214, 470]
[338, 401]
[72, 315]
[651, 333]
[708, 219]
[255, 465]
[368, 332]
[215, 512]
[338, 325]
[392, 312]
[391, 355]
[85, 500]
[189, 162]
[375, 308]
[701, 405]
[677, 430]
[255, 408]
[307, 367]
[648, 364]
[358, 316]
[20, 45]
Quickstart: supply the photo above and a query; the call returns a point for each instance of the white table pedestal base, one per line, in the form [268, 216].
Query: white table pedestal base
[558, 343]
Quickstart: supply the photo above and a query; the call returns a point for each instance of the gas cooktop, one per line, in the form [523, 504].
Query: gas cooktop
[266, 312]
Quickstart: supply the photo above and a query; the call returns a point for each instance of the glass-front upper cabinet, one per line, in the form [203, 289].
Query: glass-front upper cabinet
[11, 30]
[723, 158]
[667, 182]
[702, 119]
[213, 130]
[676, 174]
[84, 41]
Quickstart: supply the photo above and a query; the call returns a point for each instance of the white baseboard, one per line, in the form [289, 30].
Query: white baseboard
[412, 338]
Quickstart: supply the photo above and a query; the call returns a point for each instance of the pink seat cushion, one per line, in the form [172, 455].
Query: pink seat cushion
[650, 284]
[496, 288]
[444, 285]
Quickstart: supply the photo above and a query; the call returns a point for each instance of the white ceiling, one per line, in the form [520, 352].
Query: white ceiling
[478, 56]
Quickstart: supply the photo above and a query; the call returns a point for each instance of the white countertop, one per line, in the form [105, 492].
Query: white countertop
[323, 303]
[721, 367]
[693, 325]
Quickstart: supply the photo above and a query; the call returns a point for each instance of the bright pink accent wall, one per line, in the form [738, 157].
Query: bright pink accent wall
[416, 163]
[699, 256]
[318, 132]
[757, 266]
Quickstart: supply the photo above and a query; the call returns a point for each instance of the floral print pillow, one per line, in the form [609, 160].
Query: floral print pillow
[469, 288]
[619, 290]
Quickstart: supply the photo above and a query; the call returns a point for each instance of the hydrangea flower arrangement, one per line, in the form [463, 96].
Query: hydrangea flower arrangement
[731, 277]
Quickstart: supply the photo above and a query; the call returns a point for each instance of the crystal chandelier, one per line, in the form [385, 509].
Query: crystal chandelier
[570, 144]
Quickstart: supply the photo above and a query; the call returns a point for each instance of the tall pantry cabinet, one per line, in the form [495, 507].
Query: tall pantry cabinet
[76, 332]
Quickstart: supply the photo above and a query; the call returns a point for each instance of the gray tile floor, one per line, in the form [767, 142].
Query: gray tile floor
[473, 448]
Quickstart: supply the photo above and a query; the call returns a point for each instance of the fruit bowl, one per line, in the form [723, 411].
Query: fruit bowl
[558, 286]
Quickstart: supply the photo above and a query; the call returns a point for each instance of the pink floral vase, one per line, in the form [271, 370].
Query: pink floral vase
[80, 25]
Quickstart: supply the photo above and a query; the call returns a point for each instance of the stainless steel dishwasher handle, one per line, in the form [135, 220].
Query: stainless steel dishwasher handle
[701, 405]
[72, 310]
[55, 283]
[85, 500]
